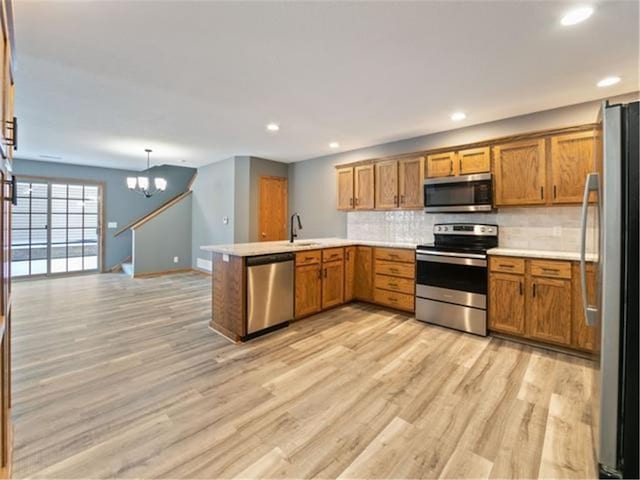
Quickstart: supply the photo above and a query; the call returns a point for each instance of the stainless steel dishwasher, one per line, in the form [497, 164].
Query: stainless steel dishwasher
[269, 291]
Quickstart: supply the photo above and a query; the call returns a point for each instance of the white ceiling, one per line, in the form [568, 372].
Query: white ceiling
[97, 82]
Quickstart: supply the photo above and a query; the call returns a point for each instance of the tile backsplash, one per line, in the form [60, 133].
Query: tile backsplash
[538, 228]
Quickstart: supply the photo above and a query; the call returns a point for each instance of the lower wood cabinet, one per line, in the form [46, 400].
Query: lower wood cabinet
[506, 297]
[332, 284]
[349, 273]
[363, 278]
[540, 300]
[394, 279]
[308, 298]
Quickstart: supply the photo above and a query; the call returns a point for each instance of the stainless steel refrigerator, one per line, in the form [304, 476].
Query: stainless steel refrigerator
[615, 315]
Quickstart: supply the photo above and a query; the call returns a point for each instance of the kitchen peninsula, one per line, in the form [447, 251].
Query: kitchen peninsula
[328, 272]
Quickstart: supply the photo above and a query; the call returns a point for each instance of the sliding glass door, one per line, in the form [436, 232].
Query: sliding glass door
[56, 228]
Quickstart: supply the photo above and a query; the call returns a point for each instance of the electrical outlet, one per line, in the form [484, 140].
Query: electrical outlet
[176, 259]
[112, 225]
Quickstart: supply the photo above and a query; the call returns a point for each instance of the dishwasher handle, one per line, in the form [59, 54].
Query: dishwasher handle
[267, 259]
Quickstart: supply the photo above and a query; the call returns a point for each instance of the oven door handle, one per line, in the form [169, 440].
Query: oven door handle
[451, 254]
[457, 260]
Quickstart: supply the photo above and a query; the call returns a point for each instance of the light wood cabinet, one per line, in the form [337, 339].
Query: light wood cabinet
[308, 297]
[573, 157]
[394, 278]
[332, 284]
[540, 300]
[549, 318]
[506, 300]
[583, 336]
[520, 173]
[363, 279]
[474, 160]
[364, 187]
[410, 182]
[344, 188]
[349, 273]
[441, 164]
[386, 184]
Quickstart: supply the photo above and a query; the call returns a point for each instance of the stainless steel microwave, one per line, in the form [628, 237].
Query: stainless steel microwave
[463, 193]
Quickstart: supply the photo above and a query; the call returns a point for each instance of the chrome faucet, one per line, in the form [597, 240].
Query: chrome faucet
[292, 232]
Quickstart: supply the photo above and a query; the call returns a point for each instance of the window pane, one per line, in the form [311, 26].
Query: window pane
[58, 265]
[23, 189]
[90, 249]
[59, 251]
[90, 263]
[19, 237]
[39, 205]
[38, 267]
[58, 205]
[20, 220]
[90, 234]
[59, 235]
[75, 220]
[90, 192]
[22, 206]
[58, 190]
[20, 253]
[39, 236]
[38, 252]
[58, 220]
[39, 220]
[75, 235]
[74, 264]
[75, 206]
[90, 206]
[39, 190]
[76, 191]
[19, 269]
[91, 221]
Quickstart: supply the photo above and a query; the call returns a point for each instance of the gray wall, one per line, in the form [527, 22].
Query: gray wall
[213, 199]
[168, 235]
[312, 183]
[120, 204]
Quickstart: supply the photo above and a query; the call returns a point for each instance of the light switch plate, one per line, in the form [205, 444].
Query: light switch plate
[225, 220]
[112, 225]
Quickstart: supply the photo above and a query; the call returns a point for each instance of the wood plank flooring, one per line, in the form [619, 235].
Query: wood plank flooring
[115, 377]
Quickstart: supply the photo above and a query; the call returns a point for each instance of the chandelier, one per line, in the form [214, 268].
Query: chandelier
[141, 184]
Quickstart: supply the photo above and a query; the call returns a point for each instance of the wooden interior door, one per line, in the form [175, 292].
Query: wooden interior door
[549, 312]
[345, 188]
[506, 300]
[273, 209]
[387, 184]
[520, 173]
[410, 182]
[573, 157]
[364, 187]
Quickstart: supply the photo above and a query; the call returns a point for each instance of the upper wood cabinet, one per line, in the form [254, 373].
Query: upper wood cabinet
[364, 187]
[410, 180]
[344, 189]
[386, 184]
[441, 164]
[573, 157]
[520, 173]
[474, 160]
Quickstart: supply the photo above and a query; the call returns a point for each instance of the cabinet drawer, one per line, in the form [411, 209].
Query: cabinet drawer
[308, 258]
[395, 284]
[407, 270]
[401, 301]
[551, 269]
[396, 255]
[332, 254]
[506, 265]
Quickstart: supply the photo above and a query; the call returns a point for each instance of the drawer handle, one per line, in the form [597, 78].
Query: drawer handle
[393, 299]
[393, 255]
[393, 270]
[520, 286]
[307, 259]
[550, 270]
[534, 290]
[506, 265]
[393, 285]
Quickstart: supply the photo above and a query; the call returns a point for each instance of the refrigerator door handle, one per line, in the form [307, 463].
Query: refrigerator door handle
[590, 311]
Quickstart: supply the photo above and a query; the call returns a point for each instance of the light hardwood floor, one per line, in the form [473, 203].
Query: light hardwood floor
[115, 377]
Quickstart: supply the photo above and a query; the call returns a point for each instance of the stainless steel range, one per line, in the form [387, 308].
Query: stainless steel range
[451, 280]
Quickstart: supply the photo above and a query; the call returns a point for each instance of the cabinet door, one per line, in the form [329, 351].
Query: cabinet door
[364, 191]
[332, 284]
[441, 164]
[410, 181]
[573, 156]
[583, 336]
[308, 290]
[349, 272]
[549, 312]
[363, 278]
[506, 303]
[344, 188]
[474, 160]
[387, 184]
[520, 173]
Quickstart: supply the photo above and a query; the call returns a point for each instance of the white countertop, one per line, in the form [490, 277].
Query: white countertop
[283, 246]
[550, 254]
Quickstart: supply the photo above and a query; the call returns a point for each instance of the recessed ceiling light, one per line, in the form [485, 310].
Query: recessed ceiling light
[334, 145]
[273, 127]
[457, 116]
[576, 15]
[608, 81]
